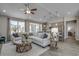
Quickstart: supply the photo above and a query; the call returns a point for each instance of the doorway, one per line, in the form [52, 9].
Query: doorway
[71, 29]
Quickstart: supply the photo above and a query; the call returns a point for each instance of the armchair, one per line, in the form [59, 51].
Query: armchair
[16, 39]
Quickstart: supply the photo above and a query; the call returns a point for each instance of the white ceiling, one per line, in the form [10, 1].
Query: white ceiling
[45, 11]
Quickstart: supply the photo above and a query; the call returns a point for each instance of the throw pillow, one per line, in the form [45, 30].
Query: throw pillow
[15, 35]
[45, 36]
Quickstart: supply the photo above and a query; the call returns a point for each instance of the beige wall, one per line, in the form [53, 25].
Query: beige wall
[62, 19]
[77, 30]
[3, 26]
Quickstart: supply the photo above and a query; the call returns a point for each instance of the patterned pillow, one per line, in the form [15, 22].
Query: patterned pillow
[15, 35]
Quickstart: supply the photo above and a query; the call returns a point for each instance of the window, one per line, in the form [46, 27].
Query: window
[21, 26]
[54, 30]
[17, 26]
[35, 27]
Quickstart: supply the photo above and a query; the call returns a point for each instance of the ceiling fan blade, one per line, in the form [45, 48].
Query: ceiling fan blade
[35, 9]
[32, 13]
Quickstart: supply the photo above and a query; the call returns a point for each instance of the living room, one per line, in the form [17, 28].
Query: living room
[29, 28]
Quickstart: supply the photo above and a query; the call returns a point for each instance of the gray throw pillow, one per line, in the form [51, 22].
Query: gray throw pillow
[15, 35]
[45, 35]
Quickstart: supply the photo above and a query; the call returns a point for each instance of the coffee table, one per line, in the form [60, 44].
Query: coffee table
[23, 47]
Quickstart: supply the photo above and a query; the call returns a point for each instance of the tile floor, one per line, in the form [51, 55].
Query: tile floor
[69, 47]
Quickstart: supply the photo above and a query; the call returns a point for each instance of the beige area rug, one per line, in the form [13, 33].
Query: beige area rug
[10, 50]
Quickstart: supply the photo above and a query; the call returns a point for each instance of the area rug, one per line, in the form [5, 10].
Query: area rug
[10, 50]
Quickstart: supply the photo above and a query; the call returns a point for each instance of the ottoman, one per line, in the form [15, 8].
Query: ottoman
[23, 47]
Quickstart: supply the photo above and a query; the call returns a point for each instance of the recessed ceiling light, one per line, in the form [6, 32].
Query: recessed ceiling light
[4, 10]
[69, 28]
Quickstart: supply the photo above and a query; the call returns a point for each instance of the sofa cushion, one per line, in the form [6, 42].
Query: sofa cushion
[36, 38]
[40, 35]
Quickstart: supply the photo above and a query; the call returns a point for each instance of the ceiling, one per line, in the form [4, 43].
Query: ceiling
[45, 11]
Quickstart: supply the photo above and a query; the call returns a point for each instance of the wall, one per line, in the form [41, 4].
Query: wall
[62, 19]
[77, 30]
[3, 26]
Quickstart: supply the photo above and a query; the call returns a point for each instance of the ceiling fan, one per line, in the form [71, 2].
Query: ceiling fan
[28, 10]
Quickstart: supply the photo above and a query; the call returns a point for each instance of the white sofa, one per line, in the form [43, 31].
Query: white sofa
[17, 40]
[36, 38]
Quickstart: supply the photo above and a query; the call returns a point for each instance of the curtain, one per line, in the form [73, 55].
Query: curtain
[8, 29]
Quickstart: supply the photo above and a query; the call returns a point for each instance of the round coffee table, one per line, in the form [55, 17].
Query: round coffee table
[23, 47]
